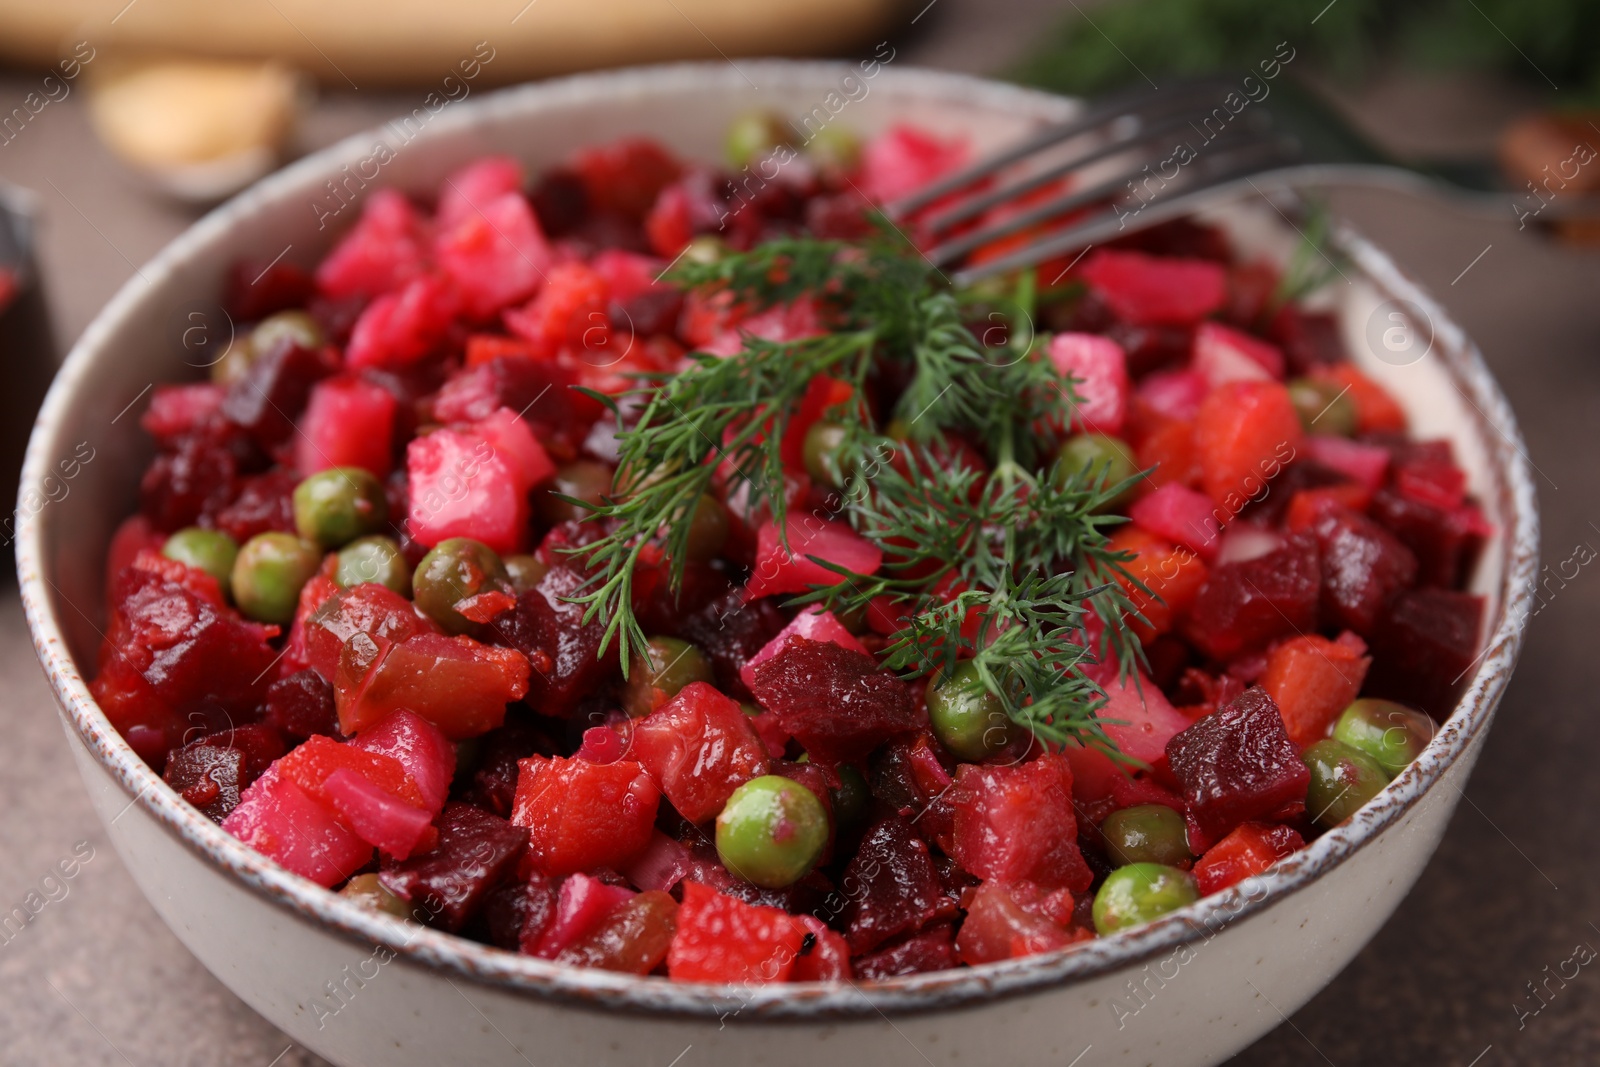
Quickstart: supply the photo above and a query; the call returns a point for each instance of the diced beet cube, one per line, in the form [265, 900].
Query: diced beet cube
[560, 201]
[207, 777]
[582, 903]
[313, 762]
[494, 254]
[268, 398]
[1099, 372]
[1364, 567]
[790, 570]
[518, 913]
[456, 683]
[256, 289]
[1243, 606]
[731, 631]
[420, 747]
[1425, 648]
[932, 949]
[540, 390]
[1364, 463]
[259, 745]
[548, 629]
[1446, 542]
[178, 487]
[813, 623]
[699, 747]
[378, 817]
[1249, 850]
[174, 660]
[301, 705]
[998, 928]
[1312, 680]
[1017, 823]
[892, 887]
[385, 250]
[1179, 514]
[265, 503]
[403, 326]
[1173, 394]
[176, 410]
[835, 701]
[583, 815]
[904, 158]
[493, 784]
[349, 422]
[469, 190]
[723, 939]
[624, 177]
[1310, 339]
[511, 437]
[1236, 764]
[461, 486]
[476, 851]
[1144, 289]
[283, 822]
[571, 302]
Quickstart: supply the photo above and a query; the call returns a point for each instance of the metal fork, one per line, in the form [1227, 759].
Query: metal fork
[1140, 158]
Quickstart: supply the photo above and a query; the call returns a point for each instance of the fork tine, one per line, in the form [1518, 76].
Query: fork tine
[1109, 223]
[1128, 104]
[976, 205]
[951, 251]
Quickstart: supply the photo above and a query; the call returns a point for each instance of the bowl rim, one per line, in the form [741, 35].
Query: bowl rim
[936, 991]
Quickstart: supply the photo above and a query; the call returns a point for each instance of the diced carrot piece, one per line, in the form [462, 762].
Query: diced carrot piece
[1312, 680]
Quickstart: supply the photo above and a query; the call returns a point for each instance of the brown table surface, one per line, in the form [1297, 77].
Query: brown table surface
[97, 979]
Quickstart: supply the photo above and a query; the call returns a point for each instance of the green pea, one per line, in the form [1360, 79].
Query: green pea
[1323, 407]
[708, 529]
[295, 327]
[657, 674]
[754, 134]
[823, 443]
[968, 719]
[268, 573]
[211, 551]
[373, 559]
[851, 797]
[526, 572]
[834, 148]
[366, 889]
[338, 505]
[1148, 833]
[772, 831]
[1390, 733]
[1139, 893]
[455, 569]
[581, 479]
[1109, 461]
[1342, 779]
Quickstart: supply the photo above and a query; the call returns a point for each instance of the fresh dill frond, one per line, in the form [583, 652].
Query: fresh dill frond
[1005, 540]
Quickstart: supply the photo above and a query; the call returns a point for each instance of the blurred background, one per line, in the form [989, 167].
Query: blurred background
[121, 121]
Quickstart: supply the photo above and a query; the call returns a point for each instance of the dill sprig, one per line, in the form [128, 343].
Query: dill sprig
[719, 411]
[1027, 547]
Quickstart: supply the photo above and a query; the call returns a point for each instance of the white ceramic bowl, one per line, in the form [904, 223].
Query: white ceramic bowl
[361, 988]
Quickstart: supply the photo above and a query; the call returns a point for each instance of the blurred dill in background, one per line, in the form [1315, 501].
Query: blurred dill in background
[1550, 43]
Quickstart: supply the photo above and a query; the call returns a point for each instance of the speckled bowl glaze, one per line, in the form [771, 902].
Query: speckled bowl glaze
[363, 989]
